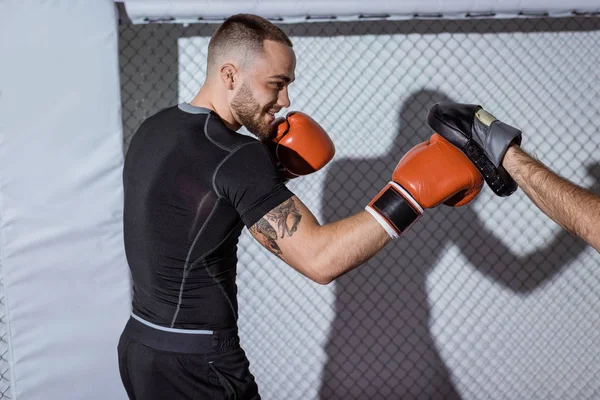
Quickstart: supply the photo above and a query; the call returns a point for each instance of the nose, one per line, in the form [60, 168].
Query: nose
[284, 99]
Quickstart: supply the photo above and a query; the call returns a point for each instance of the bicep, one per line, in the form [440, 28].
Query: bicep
[289, 231]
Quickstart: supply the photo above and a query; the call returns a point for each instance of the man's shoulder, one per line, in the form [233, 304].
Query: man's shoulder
[222, 136]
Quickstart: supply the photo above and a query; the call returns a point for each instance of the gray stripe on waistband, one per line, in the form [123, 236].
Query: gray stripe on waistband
[174, 330]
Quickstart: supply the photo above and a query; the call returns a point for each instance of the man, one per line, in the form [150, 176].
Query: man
[494, 148]
[191, 183]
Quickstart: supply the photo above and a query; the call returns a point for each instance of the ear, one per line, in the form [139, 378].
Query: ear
[228, 74]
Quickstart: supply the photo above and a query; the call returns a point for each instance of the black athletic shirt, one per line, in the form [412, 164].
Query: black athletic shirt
[190, 185]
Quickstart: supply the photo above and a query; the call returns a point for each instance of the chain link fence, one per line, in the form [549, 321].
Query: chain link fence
[488, 301]
[4, 355]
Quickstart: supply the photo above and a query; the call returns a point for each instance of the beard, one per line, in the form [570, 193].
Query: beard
[250, 113]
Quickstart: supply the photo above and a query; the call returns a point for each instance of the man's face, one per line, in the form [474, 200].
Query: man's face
[264, 88]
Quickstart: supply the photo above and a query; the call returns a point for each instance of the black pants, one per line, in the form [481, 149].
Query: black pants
[161, 365]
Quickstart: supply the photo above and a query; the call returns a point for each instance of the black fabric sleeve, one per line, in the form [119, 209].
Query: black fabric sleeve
[249, 180]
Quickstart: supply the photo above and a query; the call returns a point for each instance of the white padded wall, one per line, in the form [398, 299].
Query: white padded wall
[65, 276]
[141, 11]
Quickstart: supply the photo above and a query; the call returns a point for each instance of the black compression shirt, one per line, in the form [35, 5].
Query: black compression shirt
[190, 185]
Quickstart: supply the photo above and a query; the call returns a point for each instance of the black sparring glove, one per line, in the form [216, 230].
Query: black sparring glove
[481, 137]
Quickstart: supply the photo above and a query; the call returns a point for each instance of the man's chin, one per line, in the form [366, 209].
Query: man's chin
[261, 132]
[263, 136]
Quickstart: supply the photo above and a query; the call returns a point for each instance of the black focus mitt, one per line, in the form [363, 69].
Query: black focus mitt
[481, 137]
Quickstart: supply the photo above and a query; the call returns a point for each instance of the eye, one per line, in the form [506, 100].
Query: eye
[278, 85]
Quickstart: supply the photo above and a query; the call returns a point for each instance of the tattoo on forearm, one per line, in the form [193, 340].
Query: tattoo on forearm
[286, 218]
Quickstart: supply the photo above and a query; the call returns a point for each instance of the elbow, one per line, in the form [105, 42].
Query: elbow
[324, 270]
[316, 262]
[322, 279]
[319, 275]
[313, 270]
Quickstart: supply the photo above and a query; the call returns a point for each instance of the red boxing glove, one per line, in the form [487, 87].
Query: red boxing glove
[431, 173]
[300, 145]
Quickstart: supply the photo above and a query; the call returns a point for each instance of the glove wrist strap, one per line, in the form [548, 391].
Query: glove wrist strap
[395, 209]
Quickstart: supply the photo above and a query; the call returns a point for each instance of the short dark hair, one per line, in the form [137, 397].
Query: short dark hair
[245, 33]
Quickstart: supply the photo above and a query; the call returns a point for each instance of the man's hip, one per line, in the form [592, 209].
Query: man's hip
[158, 364]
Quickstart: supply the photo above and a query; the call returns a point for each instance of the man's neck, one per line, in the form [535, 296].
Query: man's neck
[208, 99]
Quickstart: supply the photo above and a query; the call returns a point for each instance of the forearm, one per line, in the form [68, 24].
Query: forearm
[575, 209]
[321, 253]
[345, 244]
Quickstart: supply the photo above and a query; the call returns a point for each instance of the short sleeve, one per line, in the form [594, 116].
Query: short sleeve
[249, 180]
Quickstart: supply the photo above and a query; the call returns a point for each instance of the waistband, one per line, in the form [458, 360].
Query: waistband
[175, 341]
